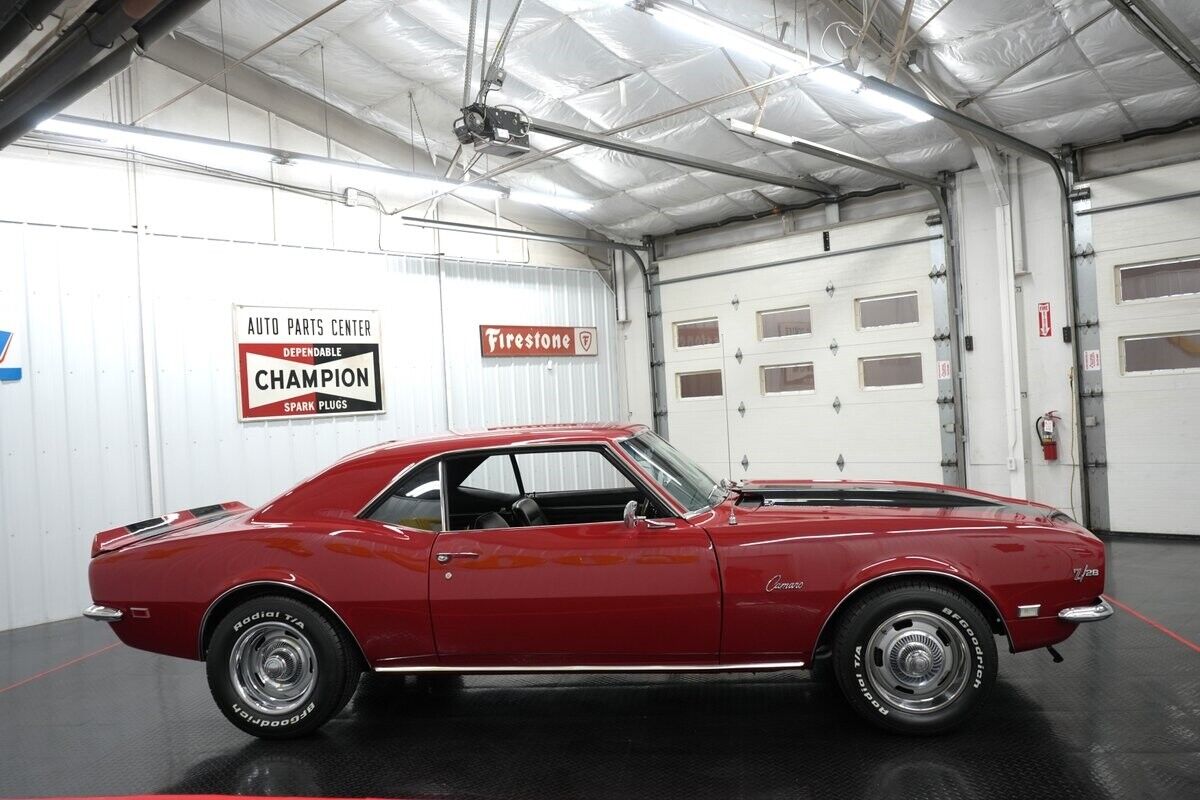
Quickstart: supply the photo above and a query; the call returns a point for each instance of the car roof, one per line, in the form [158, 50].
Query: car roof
[502, 436]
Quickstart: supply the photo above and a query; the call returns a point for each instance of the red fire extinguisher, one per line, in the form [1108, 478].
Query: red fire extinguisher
[1044, 427]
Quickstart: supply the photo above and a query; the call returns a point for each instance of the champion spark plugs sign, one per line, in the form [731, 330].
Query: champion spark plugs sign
[513, 341]
[306, 362]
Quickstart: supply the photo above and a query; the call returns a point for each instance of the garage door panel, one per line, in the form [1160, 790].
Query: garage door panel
[1151, 419]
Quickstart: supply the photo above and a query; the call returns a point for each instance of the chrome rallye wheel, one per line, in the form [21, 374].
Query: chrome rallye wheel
[915, 658]
[279, 669]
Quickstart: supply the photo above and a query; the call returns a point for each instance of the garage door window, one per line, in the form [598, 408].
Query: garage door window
[698, 333]
[694, 385]
[787, 379]
[784, 323]
[887, 311]
[1173, 278]
[1164, 352]
[890, 372]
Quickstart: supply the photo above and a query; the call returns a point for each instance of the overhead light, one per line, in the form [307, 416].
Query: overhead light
[556, 201]
[846, 81]
[745, 128]
[724, 34]
[349, 172]
[836, 78]
[213, 153]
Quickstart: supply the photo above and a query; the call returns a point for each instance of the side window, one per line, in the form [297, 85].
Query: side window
[570, 471]
[494, 474]
[416, 502]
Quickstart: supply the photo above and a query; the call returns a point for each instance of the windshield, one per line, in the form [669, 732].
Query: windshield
[677, 474]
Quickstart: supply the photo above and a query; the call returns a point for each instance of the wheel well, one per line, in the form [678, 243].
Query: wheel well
[968, 590]
[234, 597]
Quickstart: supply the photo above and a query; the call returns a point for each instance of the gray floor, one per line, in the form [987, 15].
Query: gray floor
[1120, 718]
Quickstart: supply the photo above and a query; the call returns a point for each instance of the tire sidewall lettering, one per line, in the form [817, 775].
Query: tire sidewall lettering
[258, 616]
[267, 722]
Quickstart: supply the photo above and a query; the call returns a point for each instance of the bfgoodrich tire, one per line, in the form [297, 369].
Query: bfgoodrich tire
[915, 658]
[279, 668]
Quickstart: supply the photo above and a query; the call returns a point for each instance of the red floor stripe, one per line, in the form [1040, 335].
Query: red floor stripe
[63, 665]
[1152, 623]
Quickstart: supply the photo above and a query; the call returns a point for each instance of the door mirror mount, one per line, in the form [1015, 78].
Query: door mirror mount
[632, 520]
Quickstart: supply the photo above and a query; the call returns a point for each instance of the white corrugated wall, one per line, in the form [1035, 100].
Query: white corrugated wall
[76, 447]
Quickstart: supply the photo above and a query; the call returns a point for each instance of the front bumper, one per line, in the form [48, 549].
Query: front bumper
[1094, 613]
[103, 613]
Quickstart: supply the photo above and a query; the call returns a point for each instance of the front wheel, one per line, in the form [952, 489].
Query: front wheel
[915, 658]
[279, 669]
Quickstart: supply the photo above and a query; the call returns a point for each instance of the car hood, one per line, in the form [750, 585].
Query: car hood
[799, 494]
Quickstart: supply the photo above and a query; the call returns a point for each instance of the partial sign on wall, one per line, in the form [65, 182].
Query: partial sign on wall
[9, 371]
[307, 362]
[511, 341]
[11, 323]
[1045, 327]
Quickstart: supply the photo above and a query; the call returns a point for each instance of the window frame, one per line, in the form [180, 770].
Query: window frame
[679, 385]
[606, 448]
[1125, 372]
[762, 379]
[1119, 280]
[675, 333]
[858, 324]
[759, 319]
[862, 375]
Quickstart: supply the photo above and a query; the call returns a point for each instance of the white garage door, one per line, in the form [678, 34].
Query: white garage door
[787, 370]
[1148, 291]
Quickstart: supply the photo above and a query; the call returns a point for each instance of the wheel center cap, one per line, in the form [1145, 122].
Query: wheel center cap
[917, 663]
[275, 667]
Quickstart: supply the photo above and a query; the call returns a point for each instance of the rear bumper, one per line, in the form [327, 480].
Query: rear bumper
[1093, 613]
[103, 613]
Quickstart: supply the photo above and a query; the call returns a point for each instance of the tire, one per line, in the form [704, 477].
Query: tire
[279, 669]
[915, 658]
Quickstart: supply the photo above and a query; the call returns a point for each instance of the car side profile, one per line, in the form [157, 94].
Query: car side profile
[597, 548]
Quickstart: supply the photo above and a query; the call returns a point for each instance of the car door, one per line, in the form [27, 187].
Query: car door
[577, 587]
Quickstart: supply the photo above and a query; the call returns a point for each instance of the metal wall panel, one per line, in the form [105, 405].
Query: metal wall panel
[73, 429]
[76, 446]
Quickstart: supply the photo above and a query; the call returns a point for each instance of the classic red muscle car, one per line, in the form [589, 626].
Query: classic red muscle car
[594, 548]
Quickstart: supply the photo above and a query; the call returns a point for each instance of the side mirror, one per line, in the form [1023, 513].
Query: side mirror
[632, 520]
[631, 517]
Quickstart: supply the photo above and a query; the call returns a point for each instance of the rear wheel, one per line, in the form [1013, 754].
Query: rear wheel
[279, 669]
[915, 658]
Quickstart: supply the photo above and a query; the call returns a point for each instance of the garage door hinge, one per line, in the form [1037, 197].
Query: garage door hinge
[1095, 391]
[659, 414]
[1081, 193]
[1097, 464]
[937, 272]
[658, 363]
[1087, 322]
[942, 336]
[653, 314]
[1085, 251]
[949, 462]
[945, 400]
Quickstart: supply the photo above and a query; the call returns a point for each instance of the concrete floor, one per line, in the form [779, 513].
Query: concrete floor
[1120, 718]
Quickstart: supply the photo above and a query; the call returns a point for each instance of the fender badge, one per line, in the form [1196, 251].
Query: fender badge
[1085, 572]
[778, 584]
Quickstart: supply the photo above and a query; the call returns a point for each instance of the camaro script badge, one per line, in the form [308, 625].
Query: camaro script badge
[778, 584]
[1085, 572]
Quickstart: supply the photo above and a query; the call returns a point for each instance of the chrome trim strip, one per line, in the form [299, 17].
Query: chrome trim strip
[1029, 611]
[775, 665]
[856, 589]
[1095, 613]
[222, 595]
[103, 613]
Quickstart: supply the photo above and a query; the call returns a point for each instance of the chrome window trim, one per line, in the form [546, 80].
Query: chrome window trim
[739, 667]
[301, 590]
[640, 480]
[864, 584]
[681, 512]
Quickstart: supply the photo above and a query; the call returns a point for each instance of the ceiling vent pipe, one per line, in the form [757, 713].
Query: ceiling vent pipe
[23, 19]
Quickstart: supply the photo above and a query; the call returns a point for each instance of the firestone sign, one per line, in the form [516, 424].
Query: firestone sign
[306, 362]
[513, 341]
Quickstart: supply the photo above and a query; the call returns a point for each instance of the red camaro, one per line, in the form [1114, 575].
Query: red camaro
[594, 548]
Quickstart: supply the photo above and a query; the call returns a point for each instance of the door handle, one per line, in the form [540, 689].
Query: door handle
[445, 558]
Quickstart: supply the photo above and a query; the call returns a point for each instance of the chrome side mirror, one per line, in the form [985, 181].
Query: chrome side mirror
[632, 520]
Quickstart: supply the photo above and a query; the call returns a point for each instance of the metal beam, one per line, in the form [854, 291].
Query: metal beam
[1151, 23]
[691, 162]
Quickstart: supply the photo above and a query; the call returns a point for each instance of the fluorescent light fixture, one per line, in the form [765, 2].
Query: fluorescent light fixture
[350, 173]
[836, 79]
[845, 81]
[725, 34]
[554, 201]
[737, 126]
[883, 101]
[214, 153]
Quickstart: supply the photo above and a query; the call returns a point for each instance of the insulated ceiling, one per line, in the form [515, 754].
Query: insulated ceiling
[598, 64]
